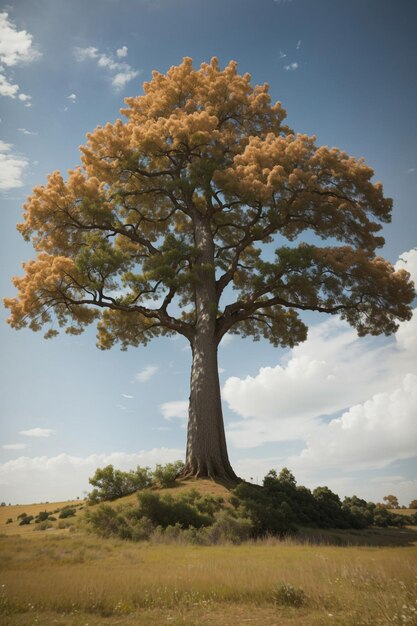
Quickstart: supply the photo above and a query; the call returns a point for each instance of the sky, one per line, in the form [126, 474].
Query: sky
[338, 410]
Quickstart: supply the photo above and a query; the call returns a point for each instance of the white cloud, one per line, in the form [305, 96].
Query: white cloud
[297, 47]
[121, 78]
[370, 435]
[410, 170]
[146, 373]
[121, 52]
[24, 97]
[7, 88]
[121, 72]
[333, 372]
[282, 55]
[12, 167]
[14, 446]
[125, 395]
[16, 48]
[60, 477]
[72, 97]
[291, 66]
[175, 408]
[37, 432]
[24, 131]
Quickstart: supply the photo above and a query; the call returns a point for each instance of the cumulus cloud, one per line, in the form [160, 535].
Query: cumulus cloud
[370, 435]
[121, 52]
[175, 408]
[120, 71]
[291, 66]
[16, 48]
[65, 476]
[146, 373]
[72, 97]
[37, 432]
[336, 392]
[12, 167]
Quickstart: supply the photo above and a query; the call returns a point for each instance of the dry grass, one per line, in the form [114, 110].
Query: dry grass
[79, 579]
[76, 579]
[12, 512]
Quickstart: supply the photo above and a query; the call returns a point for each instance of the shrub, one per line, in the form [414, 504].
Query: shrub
[22, 515]
[165, 511]
[227, 528]
[286, 595]
[111, 483]
[42, 516]
[67, 512]
[166, 475]
[44, 525]
[9, 520]
[26, 520]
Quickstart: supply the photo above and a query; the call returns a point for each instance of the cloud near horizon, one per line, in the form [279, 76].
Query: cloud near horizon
[37, 432]
[65, 477]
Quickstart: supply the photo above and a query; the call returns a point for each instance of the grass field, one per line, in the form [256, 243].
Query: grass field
[70, 577]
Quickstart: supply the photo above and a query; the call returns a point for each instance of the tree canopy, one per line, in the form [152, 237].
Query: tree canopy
[172, 207]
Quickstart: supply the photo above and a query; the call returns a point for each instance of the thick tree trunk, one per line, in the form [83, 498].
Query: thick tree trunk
[206, 442]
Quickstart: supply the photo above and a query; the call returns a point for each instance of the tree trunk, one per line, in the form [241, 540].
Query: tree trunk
[206, 442]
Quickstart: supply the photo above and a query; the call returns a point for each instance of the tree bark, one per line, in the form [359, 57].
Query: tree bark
[206, 441]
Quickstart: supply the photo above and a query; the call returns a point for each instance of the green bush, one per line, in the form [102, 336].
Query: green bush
[67, 512]
[166, 475]
[227, 528]
[286, 595]
[165, 511]
[111, 483]
[42, 516]
[26, 519]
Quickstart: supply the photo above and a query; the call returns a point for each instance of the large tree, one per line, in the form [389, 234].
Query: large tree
[162, 231]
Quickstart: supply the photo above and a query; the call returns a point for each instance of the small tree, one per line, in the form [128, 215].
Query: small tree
[413, 504]
[392, 502]
[161, 232]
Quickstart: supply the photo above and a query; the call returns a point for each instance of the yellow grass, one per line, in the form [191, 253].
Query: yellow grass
[76, 579]
[79, 579]
[13, 511]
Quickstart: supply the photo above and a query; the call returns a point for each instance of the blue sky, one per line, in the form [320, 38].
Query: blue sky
[337, 410]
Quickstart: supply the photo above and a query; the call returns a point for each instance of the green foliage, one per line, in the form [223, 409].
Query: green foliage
[413, 504]
[287, 595]
[111, 483]
[276, 508]
[166, 475]
[26, 519]
[42, 516]
[67, 512]
[165, 511]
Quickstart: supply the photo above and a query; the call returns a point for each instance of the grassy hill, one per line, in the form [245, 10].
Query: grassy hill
[70, 577]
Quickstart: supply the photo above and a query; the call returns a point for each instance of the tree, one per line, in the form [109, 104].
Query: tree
[162, 228]
[392, 502]
[413, 504]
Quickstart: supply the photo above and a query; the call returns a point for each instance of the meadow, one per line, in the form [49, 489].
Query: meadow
[67, 576]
